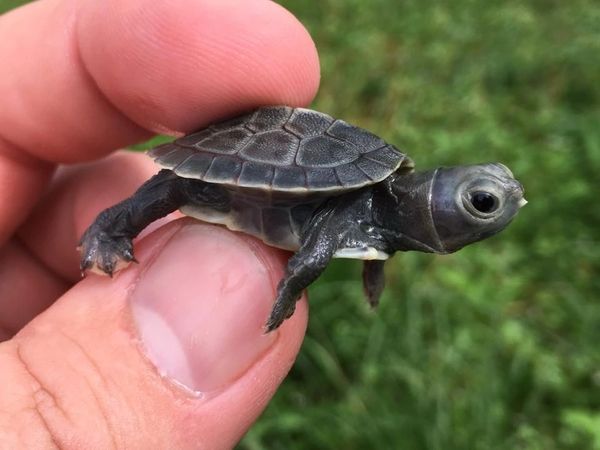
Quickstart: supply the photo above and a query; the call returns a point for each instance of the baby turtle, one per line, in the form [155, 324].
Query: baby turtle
[303, 181]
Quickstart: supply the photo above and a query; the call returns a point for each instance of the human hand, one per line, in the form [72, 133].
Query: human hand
[171, 352]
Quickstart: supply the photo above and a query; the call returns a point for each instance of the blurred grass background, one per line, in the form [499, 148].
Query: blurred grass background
[496, 347]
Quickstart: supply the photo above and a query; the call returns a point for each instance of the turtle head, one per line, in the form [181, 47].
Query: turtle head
[471, 203]
[451, 207]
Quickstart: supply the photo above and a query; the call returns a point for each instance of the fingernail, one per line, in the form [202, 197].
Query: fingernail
[201, 305]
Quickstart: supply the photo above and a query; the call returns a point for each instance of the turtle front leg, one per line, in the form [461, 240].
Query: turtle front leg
[318, 247]
[106, 245]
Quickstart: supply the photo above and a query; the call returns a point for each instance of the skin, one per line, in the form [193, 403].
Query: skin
[88, 363]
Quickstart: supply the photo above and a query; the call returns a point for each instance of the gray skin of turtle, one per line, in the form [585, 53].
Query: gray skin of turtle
[302, 181]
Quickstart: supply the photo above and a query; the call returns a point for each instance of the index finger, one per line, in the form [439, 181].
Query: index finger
[89, 77]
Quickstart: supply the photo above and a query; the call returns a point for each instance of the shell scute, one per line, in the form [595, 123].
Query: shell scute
[289, 178]
[350, 175]
[387, 155]
[194, 166]
[305, 122]
[223, 169]
[256, 175]
[269, 118]
[375, 170]
[324, 151]
[322, 177]
[363, 139]
[226, 142]
[173, 156]
[273, 147]
[192, 140]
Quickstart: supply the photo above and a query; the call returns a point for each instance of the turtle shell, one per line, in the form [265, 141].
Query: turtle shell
[282, 149]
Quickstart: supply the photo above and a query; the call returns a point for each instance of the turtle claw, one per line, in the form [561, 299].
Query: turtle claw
[104, 254]
[282, 310]
[273, 323]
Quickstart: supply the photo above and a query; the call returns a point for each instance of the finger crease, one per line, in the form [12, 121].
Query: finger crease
[39, 394]
[111, 432]
[18, 155]
[18, 240]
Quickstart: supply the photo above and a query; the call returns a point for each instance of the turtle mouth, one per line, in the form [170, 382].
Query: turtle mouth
[519, 191]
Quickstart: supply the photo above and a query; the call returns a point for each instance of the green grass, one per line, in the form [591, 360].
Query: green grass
[497, 346]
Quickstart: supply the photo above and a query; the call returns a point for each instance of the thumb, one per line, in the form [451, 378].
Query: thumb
[171, 353]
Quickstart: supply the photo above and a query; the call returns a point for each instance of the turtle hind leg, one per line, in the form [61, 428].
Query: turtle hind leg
[106, 245]
[373, 280]
[302, 269]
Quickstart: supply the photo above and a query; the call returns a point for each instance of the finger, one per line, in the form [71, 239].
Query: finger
[41, 263]
[210, 58]
[27, 287]
[168, 354]
[116, 70]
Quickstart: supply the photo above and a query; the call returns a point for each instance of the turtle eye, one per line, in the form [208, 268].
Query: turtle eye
[484, 202]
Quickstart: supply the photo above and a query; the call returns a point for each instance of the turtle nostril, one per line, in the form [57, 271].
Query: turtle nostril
[515, 188]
